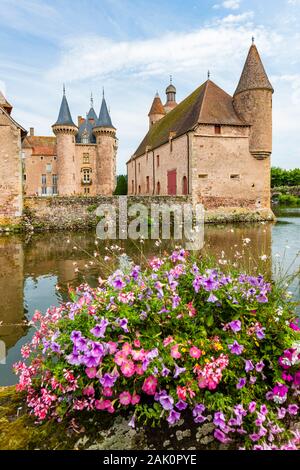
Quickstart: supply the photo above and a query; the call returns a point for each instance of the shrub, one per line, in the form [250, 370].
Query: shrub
[178, 337]
[289, 200]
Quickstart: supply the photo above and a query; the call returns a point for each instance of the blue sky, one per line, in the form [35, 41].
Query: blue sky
[132, 46]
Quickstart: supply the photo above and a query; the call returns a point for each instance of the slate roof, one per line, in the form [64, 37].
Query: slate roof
[254, 75]
[88, 127]
[208, 104]
[92, 114]
[104, 119]
[64, 117]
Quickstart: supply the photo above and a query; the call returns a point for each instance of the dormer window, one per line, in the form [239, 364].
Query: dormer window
[85, 137]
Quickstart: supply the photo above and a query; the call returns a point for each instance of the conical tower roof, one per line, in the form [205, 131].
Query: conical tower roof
[254, 75]
[104, 117]
[157, 106]
[64, 117]
[92, 114]
[5, 104]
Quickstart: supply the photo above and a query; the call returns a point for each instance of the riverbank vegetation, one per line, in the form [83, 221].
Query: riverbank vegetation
[281, 177]
[179, 339]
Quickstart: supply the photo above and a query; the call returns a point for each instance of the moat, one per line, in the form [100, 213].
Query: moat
[36, 270]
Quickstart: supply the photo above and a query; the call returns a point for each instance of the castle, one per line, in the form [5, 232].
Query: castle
[78, 160]
[211, 146]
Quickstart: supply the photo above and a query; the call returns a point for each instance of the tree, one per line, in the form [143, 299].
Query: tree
[280, 177]
[121, 188]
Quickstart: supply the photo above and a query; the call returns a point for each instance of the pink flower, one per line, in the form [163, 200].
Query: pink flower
[181, 392]
[137, 343]
[91, 372]
[174, 352]
[125, 398]
[89, 391]
[112, 347]
[128, 368]
[168, 341]
[195, 352]
[126, 348]
[135, 399]
[139, 369]
[120, 358]
[149, 385]
[104, 405]
[107, 392]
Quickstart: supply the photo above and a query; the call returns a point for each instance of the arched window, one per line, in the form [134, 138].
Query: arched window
[158, 187]
[139, 189]
[184, 185]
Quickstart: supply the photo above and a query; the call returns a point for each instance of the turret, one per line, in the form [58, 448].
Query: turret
[253, 103]
[171, 97]
[106, 141]
[157, 111]
[65, 131]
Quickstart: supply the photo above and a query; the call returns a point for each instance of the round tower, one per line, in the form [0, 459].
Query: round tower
[106, 141]
[157, 111]
[171, 97]
[253, 103]
[65, 131]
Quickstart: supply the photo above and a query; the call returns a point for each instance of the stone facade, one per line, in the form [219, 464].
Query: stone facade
[212, 146]
[11, 193]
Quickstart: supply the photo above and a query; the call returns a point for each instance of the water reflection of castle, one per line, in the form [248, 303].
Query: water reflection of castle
[53, 254]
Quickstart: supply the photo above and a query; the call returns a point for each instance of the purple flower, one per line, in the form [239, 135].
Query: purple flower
[90, 360]
[108, 380]
[152, 354]
[241, 383]
[235, 326]
[252, 379]
[165, 371]
[260, 333]
[259, 366]
[181, 405]
[236, 348]
[212, 299]
[173, 417]
[123, 322]
[74, 358]
[293, 409]
[262, 298]
[118, 283]
[75, 335]
[166, 402]
[132, 422]
[254, 437]
[197, 283]
[178, 371]
[99, 330]
[175, 301]
[264, 410]
[220, 436]
[269, 396]
[281, 412]
[219, 419]
[199, 419]
[55, 347]
[248, 365]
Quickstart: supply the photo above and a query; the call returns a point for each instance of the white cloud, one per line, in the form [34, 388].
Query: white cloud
[229, 4]
[248, 15]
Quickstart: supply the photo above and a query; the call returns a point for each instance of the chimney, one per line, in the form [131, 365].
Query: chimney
[80, 120]
[31, 131]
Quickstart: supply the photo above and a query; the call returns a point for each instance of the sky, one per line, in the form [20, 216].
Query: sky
[131, 47]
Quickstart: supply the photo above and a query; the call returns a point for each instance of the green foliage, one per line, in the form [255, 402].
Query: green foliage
[121, 188]
[289, 200]
[281, 177]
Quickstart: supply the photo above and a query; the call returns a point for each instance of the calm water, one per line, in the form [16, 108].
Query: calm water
[33, 266]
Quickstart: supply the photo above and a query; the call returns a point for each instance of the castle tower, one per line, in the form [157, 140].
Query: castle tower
[106, 141]
[253, 103]
[171, 97]
[157, 111]
[65, 131]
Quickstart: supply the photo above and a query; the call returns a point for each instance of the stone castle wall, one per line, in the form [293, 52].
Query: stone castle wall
[11, 198]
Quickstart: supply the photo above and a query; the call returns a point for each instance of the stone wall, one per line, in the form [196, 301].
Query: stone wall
[74, 213]
[11, 200]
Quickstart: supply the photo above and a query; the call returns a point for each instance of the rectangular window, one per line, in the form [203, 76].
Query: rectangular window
[157, 161]
[48, 167]
[217, 129]
[203, 176]
[44, 179]
[24, 177]
[132, 186]
[235, 177]
[44, 190]
[86, 158]
[148, 184]
[86, 190]
[86, 178]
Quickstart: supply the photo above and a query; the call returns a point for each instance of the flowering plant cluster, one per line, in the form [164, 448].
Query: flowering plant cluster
[177, 337]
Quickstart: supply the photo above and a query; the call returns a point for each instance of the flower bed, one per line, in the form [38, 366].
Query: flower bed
[178, 337]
